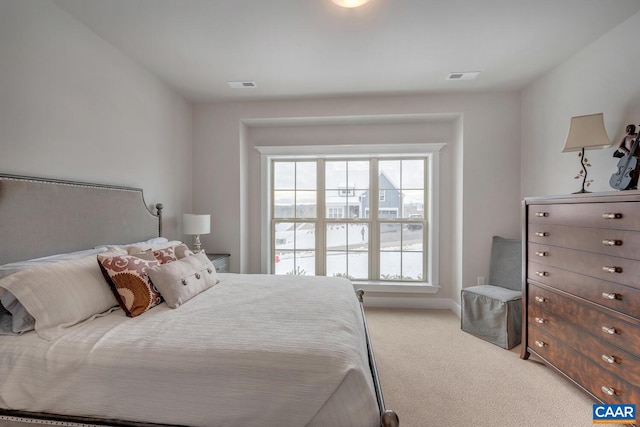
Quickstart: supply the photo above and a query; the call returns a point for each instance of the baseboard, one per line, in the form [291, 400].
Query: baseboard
[412, 302]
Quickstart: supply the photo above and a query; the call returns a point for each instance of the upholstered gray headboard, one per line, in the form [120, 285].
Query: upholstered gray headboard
[40, 217]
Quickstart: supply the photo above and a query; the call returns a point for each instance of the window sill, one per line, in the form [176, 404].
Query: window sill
[372, 287]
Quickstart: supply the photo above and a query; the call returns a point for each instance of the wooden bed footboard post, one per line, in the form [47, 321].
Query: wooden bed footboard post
[388, 417]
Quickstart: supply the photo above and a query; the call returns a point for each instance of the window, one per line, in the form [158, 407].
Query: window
[335, 213]
[347, 192]
[323, 220]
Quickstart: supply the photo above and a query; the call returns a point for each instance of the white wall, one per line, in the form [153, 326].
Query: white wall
[73, 107]
[601, 78]
[481, 160]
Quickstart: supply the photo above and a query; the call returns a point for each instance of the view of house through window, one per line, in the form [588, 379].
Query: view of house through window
[325, 221]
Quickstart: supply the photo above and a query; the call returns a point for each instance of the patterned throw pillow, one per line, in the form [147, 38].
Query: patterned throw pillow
[165, 255]
[172, 253]
[127, 277]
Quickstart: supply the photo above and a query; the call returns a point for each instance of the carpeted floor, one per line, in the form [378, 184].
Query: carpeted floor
[434, 374]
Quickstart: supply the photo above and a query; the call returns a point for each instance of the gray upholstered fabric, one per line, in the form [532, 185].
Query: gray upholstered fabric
[494, 312]
[495, 292]
[506, 263]
[41, 217]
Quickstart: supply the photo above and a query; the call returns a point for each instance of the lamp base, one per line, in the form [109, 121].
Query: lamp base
[196, 244]
[581, 191]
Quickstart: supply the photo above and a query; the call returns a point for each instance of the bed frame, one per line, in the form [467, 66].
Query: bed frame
[40, 217]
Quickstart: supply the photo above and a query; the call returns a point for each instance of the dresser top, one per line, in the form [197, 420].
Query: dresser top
[600, 197]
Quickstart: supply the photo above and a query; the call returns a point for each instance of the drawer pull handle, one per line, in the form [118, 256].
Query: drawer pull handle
[609, 269]
[609, 295]
[542, 214]
[541, 344]
[608, 330]
[611, 215]
[608, 242]
[540, 320]
[542, 253]
[608, 390]
[541, 273]
[608, 359]
[541, 234]
[540, 299]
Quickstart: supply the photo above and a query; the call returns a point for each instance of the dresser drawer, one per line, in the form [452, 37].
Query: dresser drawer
[599, 382]
[620, 216]
[599, 322]
[609, 294]
[612, 269]
[619, 243]
[610, 358]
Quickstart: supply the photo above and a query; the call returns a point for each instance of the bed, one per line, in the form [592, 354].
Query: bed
[245, 350]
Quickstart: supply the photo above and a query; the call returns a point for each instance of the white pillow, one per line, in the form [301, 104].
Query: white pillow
[61, 294]
[179, 281]
[145, 247]
[13, 267]
[152, 241]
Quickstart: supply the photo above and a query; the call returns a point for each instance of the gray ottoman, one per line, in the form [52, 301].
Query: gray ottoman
[493, 313]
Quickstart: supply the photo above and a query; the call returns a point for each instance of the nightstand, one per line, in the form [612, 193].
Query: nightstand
[220, 262]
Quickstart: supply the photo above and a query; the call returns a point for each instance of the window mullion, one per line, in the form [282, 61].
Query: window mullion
[374, 227]
[321, 262]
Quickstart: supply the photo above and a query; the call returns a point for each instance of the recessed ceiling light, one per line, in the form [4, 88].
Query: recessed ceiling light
[466, 75]
[350, 3]
[242, 84]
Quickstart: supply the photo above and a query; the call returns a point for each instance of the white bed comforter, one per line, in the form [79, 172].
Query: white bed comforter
[254, 350]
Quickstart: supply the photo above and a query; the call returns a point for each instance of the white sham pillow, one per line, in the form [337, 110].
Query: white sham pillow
[62, 294]
[145, 247]
[152, 241]
[8, 269]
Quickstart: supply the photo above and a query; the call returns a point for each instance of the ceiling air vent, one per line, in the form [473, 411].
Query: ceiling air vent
[243, 84]
[467, 75]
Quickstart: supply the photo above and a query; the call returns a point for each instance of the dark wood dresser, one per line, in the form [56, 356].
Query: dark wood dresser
[581, 294]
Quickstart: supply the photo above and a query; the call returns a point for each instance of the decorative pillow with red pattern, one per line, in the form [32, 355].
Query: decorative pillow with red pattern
[172, 253]
[128, 280]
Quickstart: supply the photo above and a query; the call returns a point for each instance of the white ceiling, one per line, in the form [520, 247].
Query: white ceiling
[313, 48]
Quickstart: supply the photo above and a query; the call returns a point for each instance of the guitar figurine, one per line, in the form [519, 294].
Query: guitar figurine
[627, 175]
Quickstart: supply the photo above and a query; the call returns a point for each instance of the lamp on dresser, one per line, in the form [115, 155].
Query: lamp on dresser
[586, 132]
[196, 225]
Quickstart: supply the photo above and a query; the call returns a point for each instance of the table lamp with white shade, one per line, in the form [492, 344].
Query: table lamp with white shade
[586, 132]
[193, 224]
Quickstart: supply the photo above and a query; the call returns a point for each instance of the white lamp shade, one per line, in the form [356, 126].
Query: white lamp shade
[586, 132]
[350, 3]
[196, 224]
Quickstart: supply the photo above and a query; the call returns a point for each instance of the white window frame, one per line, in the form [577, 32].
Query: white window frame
[429, 150]
[381, 195]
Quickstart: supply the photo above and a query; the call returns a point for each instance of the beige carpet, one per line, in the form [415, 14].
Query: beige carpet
[434, 374]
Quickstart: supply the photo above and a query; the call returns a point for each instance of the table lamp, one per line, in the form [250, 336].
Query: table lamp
[586, 132]
[196, 225]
